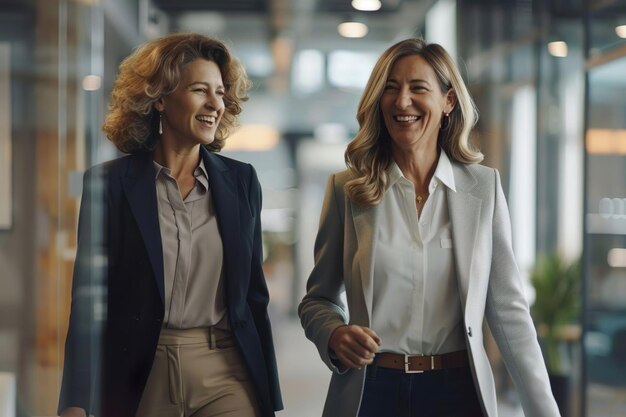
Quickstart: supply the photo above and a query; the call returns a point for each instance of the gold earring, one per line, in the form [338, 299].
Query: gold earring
[445, 121]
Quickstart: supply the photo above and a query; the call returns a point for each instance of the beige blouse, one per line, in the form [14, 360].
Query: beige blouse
[192, 252]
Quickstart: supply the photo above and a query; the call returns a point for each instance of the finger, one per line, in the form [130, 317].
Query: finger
[347, 361]
[366, 341]
[364, 351]
[359, 354]
[372, 334]
[352, 360]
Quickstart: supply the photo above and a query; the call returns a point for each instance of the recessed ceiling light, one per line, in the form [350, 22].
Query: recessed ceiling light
[621, 31]
[367, 5]
[616, 258]
[92, 83]
[558, 49]
[253, 138]
[352, 29]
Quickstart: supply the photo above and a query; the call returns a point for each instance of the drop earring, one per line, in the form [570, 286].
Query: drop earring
[445, 121]
[160, 123]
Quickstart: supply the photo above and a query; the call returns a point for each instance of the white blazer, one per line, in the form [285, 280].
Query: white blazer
[488, 280]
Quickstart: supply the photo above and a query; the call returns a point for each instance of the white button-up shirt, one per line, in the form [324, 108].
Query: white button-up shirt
[416, 306]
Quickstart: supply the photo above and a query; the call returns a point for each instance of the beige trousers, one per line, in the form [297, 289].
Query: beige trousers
[199, 373]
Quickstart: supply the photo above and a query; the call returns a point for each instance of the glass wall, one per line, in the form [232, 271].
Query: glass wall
[54, 67]
[525, 68]
[605, 212]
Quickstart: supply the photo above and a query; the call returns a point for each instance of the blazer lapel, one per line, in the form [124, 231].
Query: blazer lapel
[464, 210]
[140, 190]
[223, 182]
[366, 224]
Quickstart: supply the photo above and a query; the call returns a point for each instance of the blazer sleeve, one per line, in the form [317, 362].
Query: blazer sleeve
[322, 310]
[79, 387]
[509, 319]
[258, 295]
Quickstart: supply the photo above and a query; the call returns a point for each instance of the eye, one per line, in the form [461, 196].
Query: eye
[220, 92]
[390, 87]
[418, 88]
[200, 90]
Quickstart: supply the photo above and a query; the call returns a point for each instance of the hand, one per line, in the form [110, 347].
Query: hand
[355, 346]
[73, 412]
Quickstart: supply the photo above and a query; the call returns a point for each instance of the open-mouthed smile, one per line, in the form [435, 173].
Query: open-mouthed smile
[406, 118]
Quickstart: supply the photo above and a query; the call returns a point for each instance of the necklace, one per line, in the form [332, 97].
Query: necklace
[419, 198]
[419, 202]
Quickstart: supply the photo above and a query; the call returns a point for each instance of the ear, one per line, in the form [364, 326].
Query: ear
[451, 101]
[159, 105]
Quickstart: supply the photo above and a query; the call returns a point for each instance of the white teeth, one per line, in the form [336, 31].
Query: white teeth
[206, 119]
[407, 118]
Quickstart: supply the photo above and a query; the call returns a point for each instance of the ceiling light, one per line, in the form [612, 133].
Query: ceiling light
[253, 138]
[617, 258]
[606, 141]
[367, 5]
[352, 29]
[92, 83]
[558, 49]
[621, 31]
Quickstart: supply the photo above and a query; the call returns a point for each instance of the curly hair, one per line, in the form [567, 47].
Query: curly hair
[153, 71]
[368, 155]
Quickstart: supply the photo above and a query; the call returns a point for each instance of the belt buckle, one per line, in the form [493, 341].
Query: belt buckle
[406, 364]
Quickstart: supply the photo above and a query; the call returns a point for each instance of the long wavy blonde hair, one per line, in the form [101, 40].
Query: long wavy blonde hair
[153, 71]
[369, 154]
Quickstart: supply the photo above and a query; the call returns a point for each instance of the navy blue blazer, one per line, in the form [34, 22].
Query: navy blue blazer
[118, 285]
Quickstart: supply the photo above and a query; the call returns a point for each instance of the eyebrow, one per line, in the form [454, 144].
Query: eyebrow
[203, 83]
[416, 80]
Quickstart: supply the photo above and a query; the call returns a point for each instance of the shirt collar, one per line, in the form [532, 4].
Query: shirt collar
[443, 172]
[200, 173]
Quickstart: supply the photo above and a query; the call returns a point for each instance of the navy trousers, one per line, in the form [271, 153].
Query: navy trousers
[440, 393]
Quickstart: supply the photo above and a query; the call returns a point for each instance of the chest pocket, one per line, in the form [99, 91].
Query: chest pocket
[445, 238]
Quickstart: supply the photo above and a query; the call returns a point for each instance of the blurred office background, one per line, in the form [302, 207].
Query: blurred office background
[549, 80]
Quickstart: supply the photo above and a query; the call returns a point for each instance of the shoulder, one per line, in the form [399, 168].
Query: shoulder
[230, 162]
[112, 168]
[476, 179]
[340, 178]
[224, 163]
[477, 172]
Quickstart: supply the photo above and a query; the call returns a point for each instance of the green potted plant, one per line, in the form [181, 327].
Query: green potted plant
[556, 308]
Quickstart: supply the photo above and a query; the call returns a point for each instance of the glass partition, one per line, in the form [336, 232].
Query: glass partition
[605, 234]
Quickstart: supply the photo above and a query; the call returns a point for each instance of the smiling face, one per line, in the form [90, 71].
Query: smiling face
[413, 104]
[192, 113]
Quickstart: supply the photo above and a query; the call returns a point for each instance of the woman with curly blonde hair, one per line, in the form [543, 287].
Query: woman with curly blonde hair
[153, 72]
[185, 328]
[417, 235]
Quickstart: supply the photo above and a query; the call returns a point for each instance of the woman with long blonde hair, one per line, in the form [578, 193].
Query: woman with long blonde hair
[417, 234]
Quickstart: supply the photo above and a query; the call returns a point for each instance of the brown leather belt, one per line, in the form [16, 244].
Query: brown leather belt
[417, 363]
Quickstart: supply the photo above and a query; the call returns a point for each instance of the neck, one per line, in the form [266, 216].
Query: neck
[418, 166]
[181, 161]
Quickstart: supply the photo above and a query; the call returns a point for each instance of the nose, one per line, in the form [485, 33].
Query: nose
[214, 102]
[403, 100]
